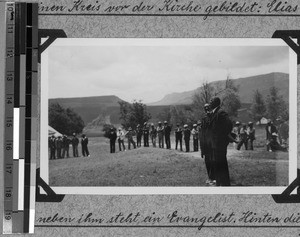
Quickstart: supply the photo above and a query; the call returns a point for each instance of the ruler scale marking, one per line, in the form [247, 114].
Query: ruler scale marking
[20, 143]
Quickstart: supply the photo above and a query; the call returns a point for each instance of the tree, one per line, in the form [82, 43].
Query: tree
[227, 92]
[182, 114]
[65, 121]
[166, 114]
[258, 107]
[230, 99]
[276, 106]
[200, 98]
[133, 114]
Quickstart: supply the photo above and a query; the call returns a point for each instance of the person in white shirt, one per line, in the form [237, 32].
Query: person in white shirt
[121, 136]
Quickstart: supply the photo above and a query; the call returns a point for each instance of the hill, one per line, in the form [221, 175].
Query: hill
[89, 108]
[246, 87]
[99, 110]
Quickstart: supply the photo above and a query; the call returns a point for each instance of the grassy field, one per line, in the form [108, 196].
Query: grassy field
[161, 167]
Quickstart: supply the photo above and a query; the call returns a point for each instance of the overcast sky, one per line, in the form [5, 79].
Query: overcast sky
[148, 73]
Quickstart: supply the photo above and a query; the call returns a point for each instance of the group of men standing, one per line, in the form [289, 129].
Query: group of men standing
[160, 134]
[144, 133]
[276, 135]
[59, 146]
[244, 135]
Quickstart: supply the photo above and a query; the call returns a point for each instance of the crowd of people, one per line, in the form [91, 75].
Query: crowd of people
[59, 146]
[276, 135]
[212, 134]
[160, 136]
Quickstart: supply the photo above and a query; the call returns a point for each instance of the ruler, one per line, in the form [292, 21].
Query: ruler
[20, 117]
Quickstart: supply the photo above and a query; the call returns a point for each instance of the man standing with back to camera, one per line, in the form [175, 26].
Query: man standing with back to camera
[167, 134]
[220, 127]
[75, 142]
[206, 147]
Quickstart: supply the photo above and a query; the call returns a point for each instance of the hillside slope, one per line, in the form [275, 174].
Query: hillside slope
[246, 87]
[89, 108]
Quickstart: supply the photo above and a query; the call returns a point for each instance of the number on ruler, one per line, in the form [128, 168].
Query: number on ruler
[8, 193]
[7, 215]
[8, 146]
[9, 100]
[9, 123]
[9, 169]
[10, 8]
[9, 77]
[9, 53]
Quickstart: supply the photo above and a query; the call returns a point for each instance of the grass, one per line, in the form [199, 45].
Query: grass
[161, 167]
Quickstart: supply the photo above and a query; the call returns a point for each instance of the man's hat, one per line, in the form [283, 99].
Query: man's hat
[206, 105]
[199, 122]
[177, 124]
[250, 123]
[185, 126]
[274, 134]
[279, 118]
[111, 128]
[138, 125]
[129, 129]
[74, 134]
[194, 125]
[159, 122]
[165, 122]
[237, 123]
[152, 124]
[120, 128]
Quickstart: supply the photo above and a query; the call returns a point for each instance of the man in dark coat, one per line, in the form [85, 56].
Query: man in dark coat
[139, 134]
[75, 142]
[220, 128]
[66, 143]
[52, 146]
[206, 146]
[283, 131]
[167, 135]
[146, 135]
[178, 137]
[270, 129]
[59, 146]
[112, 140]
[251, 134]
[187, 135]
[84, 145]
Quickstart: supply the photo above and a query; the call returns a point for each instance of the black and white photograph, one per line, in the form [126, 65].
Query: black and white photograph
[170, 113]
